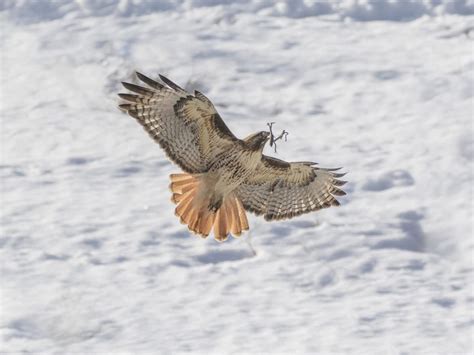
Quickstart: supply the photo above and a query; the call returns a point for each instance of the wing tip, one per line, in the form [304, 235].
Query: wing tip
[150, 82]
[128, 97]
[307, 163]
[124, 107]
[141, 90]
[338, 192]
[336, 182]
[128, 86]
[330, 169]
[140, 75]
[171, 84]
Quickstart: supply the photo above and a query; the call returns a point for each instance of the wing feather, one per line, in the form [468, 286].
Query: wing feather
[186, 126]
[150, 82]
[281, 190]
[172, 85]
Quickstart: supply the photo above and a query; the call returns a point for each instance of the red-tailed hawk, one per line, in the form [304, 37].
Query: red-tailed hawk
[223, 175]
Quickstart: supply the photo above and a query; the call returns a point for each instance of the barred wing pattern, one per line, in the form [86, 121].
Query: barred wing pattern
[186, 126]
[281, 190]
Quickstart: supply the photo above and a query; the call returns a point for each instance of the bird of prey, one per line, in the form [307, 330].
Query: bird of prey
[223, 176]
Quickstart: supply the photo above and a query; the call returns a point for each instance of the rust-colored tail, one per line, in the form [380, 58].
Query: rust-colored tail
[194, 211]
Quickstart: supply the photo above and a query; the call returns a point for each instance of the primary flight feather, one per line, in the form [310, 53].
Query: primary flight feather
[223, 176]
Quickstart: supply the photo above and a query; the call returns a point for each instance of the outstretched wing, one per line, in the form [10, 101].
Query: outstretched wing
[186, 126]
[280, 190]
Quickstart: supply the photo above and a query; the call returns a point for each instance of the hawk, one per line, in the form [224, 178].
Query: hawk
[223, 176]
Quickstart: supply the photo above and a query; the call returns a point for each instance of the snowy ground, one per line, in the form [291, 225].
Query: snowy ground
[93, 258]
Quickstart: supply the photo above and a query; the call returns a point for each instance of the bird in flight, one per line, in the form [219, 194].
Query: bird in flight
[223, 176]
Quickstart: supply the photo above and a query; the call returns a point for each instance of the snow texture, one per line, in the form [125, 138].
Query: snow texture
[93, 258]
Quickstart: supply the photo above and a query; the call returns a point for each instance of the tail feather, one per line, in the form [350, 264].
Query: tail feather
[222, 225]
[242, 215]
[184, 209]
[233, 221]
[217, 223]
[176, 198]
[206, 223]
[194, 220]
[230, 218]
[235, 225]
[180, 184]
[187, 188]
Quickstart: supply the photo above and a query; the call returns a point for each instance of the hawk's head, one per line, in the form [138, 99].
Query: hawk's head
[257, 140]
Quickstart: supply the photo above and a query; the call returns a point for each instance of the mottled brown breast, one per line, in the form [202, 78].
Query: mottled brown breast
[234, 167]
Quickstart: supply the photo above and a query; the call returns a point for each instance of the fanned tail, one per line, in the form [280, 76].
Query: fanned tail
[185, 188]
[230, 218]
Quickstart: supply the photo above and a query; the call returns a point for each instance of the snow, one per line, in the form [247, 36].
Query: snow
[93, 258]
[27, 11]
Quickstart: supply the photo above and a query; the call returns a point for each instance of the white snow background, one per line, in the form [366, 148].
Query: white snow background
[93, 259]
